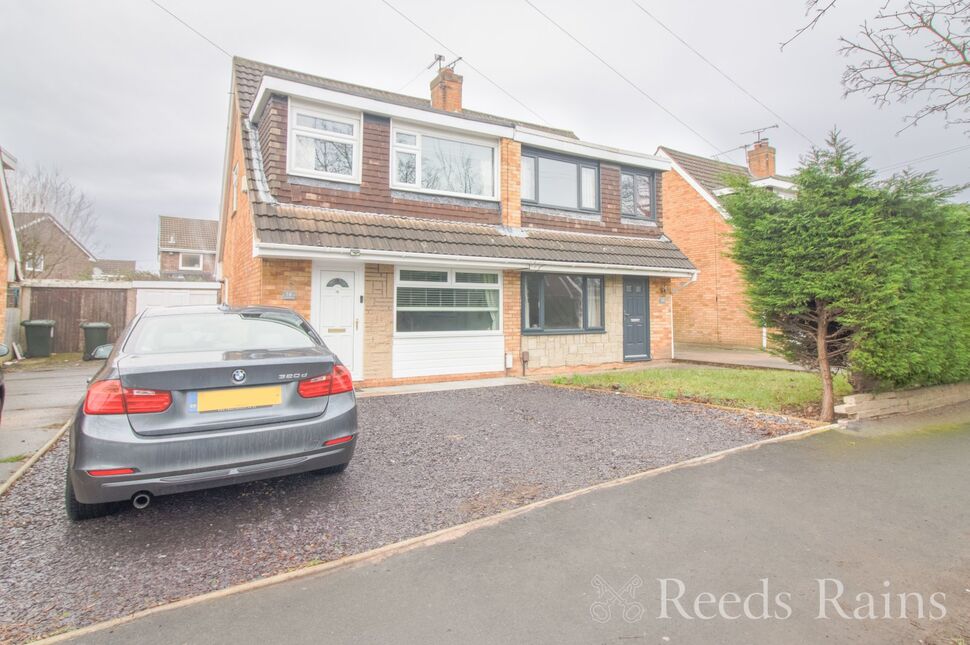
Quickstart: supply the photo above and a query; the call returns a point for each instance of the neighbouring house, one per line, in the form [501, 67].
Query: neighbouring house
[713, 310]
[187, 248]
[49, 251]
[427, 241]
[9, 250]
[113, 270]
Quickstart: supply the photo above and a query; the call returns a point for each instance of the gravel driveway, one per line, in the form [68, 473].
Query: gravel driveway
[424, 462]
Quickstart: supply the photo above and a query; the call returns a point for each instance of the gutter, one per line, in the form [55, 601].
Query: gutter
[298, 251]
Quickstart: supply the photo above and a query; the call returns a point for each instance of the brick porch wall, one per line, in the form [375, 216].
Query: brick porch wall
[378, 321]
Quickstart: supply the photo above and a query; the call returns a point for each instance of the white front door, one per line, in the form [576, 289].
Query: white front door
[337, 314]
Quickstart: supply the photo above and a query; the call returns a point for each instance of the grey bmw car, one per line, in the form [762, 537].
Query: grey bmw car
[205, 396]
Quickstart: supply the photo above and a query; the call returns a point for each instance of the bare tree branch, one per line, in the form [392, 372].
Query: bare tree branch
[813, 9]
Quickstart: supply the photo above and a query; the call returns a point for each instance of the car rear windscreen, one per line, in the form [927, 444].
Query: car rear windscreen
[218, 332]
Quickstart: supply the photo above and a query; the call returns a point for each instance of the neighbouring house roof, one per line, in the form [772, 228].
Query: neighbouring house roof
[115, 267]
[247, 75]
[24, 221]
[187, 234]
[711, 174]
[337, 229]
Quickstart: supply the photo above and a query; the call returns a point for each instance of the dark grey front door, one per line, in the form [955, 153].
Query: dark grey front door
[636, 319]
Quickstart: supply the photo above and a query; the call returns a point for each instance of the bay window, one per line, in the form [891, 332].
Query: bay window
[552, 180]
[445, 300]
[562, 303]
[324, 144]
[441, 163]
[638, 194]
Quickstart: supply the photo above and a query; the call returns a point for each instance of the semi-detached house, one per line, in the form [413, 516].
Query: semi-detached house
[427, 241]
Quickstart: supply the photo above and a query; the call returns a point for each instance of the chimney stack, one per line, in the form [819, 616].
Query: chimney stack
[761, 159]
[446, 90]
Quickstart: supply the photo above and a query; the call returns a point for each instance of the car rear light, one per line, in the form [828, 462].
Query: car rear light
[140, 401]
[338, 440]
[109, 397]
[105, 397]
[335, 382]
[108, 472]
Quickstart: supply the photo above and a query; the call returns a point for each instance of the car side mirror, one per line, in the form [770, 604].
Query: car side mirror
[101, 352]
[4, 350]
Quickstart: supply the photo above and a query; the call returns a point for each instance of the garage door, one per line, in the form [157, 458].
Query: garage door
[174, 297]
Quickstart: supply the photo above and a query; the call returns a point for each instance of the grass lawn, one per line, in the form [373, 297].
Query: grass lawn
[788, 392]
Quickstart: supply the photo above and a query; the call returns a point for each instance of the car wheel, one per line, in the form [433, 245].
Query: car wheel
[334, 470]
[77, 511]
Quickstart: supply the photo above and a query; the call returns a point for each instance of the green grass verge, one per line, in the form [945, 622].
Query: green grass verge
[13, 458]
[788, 392]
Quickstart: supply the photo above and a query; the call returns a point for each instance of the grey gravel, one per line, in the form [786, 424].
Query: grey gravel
[424, 462]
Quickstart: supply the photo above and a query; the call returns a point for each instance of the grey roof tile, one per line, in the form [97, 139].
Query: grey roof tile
[711, 174]
[330, 228]
[187, 233]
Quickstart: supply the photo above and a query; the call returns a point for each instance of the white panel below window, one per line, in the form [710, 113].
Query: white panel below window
[441, 355]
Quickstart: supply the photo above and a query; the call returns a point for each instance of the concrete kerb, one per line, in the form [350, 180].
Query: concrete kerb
[20, 472]
[429, 539]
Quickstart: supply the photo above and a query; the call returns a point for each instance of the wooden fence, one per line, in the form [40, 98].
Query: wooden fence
[70, 307]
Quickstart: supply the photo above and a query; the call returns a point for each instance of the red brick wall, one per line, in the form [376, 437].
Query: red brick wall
[713, 309]
[242, 272]
[168, 266]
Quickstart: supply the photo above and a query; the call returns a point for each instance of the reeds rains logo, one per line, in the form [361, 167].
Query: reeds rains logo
[674, 600]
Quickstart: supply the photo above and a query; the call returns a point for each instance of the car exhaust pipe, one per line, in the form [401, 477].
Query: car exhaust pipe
[141, 500]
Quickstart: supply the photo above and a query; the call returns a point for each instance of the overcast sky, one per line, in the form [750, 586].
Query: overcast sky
[132, 105]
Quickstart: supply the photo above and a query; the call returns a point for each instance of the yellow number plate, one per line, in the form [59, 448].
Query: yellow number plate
[239, 398]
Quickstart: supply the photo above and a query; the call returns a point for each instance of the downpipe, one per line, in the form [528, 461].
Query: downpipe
[141, 500]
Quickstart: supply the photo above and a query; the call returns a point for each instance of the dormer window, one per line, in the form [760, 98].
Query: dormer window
[324, 143]
[443, 163]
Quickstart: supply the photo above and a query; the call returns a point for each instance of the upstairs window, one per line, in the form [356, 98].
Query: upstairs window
[34, 262]
[638, 194]
[324, 144]
[560, 182]
[437, 163]
[190, 261]
[441, 300]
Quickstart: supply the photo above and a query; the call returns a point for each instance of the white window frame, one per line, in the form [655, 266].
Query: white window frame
[182, 266]
[354, 119]
[419, 131]
[449, 284]
[34, 263]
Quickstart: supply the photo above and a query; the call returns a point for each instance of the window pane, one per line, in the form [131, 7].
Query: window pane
[557, 183]
[191, 261]
[406, 139]
[408, 321]
[407, 168]
[410, 275]
[217, 332]
[456, 167]
[643, 196]
[589, 187]
[326, 125]
[436, 298]
[563, 301]
[528, 178]
[324, 156]
[532, 284]
[627, 195]
[476, 278]
[594, 302]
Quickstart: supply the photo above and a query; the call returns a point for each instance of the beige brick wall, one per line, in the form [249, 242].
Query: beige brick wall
[570, 350]
[378, 320]
[660, 304]
[712, 310]
[512, 318]
[511, 188]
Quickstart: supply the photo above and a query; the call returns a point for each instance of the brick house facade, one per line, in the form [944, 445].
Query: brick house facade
[412, 243]
[9, 249]
[712, 310]
[187, 248]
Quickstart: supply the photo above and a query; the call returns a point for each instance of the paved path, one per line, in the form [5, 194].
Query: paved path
[888, 502]
[728, 356]
[38, 403]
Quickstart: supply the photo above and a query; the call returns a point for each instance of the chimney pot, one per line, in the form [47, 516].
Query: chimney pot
[761, 160]
[446, 90]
